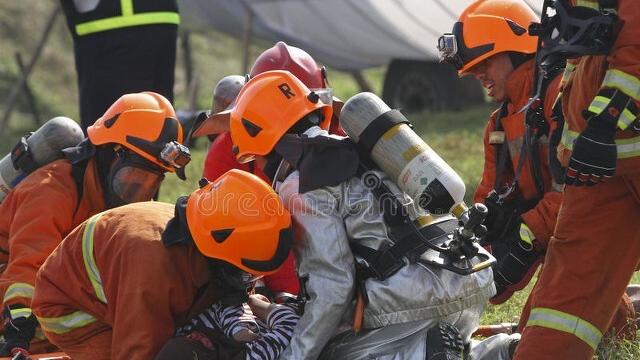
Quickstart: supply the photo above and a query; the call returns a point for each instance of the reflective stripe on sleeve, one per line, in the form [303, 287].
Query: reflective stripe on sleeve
[561, 321]
[66, 323]
[624, 82]
[626, 148]
[18, 290]
[89, 260]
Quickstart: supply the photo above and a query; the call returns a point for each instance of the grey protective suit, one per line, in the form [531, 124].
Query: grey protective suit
[326, 221]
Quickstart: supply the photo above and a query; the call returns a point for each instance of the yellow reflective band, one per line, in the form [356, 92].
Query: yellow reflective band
[561, 321]
[39, 334]
[626, 148]
[89, 260]
[588, 3]
[127, 7]
[526, 234]
[22, 312]
[625, 119]
[18, 290]
[598, 104]
[118, 22]
[628, 84]
[64, 324]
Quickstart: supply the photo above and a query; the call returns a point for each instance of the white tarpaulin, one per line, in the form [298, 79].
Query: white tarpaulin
[345, 34]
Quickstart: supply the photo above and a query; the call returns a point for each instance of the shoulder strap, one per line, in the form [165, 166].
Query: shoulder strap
[77, 171]
[537, 120]
[502, 151]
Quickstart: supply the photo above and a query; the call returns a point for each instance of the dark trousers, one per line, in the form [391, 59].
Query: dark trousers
[116, 62]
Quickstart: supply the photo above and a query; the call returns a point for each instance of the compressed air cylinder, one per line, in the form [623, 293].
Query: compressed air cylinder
[44, 146]
[417, 170]
[226, 91]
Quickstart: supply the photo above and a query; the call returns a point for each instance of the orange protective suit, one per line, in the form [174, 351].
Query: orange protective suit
[596, 244]
[34, 218]
[541, 219]
[113, 290]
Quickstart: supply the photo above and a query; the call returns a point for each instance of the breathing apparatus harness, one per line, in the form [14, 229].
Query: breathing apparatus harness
[568, 33]
[453, 244]
[411, 241]
[571, 32]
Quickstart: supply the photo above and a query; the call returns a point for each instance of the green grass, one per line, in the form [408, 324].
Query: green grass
[457, 137]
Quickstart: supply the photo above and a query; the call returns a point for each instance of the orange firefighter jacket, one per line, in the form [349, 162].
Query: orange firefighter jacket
[35, 217]
[619, 70]
[113, 273]
[542, 218]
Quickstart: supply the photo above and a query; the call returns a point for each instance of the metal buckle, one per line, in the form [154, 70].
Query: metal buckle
[175, 154]
[22, 158]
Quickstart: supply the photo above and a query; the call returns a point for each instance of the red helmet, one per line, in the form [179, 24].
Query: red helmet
[295, 60]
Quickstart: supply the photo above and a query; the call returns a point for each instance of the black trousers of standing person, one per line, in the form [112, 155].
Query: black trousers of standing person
[112, 63]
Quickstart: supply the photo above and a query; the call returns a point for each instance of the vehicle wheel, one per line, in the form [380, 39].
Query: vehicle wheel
[421, 85]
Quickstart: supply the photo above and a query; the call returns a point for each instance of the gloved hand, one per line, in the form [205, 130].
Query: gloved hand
[19, 328]
[594, 155]
[517, 258]
[502, 217]
[594, 152]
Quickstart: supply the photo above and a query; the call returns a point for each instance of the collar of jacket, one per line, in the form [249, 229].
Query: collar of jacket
[519, 85]
[177, 230]
[321, 159]
[92, 200]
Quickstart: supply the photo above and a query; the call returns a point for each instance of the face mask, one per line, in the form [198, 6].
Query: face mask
[132, 179]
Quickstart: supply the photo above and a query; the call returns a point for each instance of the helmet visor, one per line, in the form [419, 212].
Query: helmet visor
[132, 183]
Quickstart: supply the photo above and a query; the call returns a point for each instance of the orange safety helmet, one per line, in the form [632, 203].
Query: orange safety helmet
[146, 124]
[486, 28]
[295, 60]
[265, 109]
[240, 219]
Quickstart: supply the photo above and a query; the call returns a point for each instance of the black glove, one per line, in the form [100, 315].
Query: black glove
[517, 258]
[19, 328]
[503, 216]
[594, 155]
[594, 152]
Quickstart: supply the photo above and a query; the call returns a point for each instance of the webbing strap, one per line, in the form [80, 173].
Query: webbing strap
[384, 263]
[378, 127]
[501, 150]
